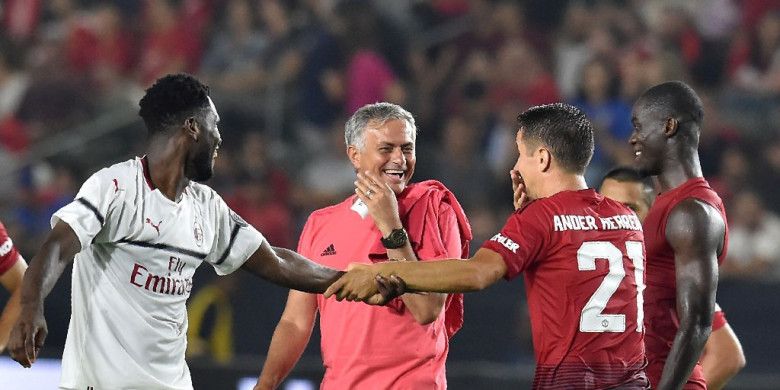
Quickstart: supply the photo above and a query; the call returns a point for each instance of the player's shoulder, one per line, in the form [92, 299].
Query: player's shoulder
[123, 169]
[202, 193]
[330, 211]
[693, 209]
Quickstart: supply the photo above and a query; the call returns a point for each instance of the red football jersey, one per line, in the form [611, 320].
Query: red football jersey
[583, 259]
[661, 297]
[8, 252]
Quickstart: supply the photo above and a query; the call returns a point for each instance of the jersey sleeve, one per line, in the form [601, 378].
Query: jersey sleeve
[8, 252]
[90, 211]
[520, 241]
[235, 239]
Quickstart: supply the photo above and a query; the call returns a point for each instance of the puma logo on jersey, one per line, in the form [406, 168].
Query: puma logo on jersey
[156, 227]
[506, 242]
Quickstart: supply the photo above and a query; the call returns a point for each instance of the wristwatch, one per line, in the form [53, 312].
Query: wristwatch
[396, 239]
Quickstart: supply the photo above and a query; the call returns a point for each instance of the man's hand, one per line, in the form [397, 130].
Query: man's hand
[519, 196]
[362, 283]
[28, 335]
[380, 200]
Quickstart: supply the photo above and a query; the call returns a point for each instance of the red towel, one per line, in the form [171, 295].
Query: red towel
[421, 202]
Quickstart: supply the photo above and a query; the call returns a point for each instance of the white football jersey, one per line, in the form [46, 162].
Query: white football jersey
[133, 275]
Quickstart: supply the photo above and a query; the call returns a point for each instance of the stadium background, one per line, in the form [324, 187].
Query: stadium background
[285, 75]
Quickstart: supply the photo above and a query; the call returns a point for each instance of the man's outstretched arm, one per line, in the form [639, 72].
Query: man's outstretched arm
[29, 333]
[289, 269]
[695, 232]
[444, 276]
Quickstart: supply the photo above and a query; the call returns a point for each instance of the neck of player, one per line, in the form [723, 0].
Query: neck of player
[166, 159]
[678, 168]
[559, 182]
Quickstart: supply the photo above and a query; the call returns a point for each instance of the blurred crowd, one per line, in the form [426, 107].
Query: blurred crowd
[285, 74]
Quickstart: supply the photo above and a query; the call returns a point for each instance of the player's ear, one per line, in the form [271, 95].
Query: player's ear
[191, 128]
[354, 156]
[544, 159]
[670, 128]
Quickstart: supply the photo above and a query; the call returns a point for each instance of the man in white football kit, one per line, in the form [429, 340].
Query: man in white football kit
[138, 230]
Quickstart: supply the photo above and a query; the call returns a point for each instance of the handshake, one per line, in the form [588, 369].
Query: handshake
[366, 283]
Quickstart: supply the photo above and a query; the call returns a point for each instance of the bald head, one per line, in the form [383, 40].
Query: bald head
[677, 100]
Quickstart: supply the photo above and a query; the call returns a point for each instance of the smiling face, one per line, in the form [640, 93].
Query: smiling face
[200, 158]
[648, 139]
[388, 152]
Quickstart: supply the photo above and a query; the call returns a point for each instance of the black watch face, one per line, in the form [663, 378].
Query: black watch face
[396, 239]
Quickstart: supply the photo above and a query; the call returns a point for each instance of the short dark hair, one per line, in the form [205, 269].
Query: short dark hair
[677, 100]
[171, 100]
[564, 129]
[625, 174]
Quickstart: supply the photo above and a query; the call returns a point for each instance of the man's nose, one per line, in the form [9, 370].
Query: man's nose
[632, 139]
[398, 156]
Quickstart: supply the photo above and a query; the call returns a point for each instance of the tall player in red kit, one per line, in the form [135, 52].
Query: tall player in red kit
[685, 233]
[582, 256]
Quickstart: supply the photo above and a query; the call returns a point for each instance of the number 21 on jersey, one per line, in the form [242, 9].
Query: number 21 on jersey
[592, 319]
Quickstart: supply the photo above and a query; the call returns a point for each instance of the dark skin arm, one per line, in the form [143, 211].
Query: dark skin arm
[46, 267]
[444, 276]
[695, 232]
[289, 269]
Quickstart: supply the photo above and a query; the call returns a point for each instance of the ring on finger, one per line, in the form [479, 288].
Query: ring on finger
[368, 193]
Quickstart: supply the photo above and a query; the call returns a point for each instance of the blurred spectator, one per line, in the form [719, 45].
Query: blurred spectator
[170, 44]
[322, 89]
[533, 86]
[369, 77]
[233, 62]
[755, 59]
[20, 18]
[100, 49]
[768, 175]
[571, 50]
[14, 82]
[734, 173]
[326, 177]
[599, 98]
[459, 163]
[260, 195]
[754, 248]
